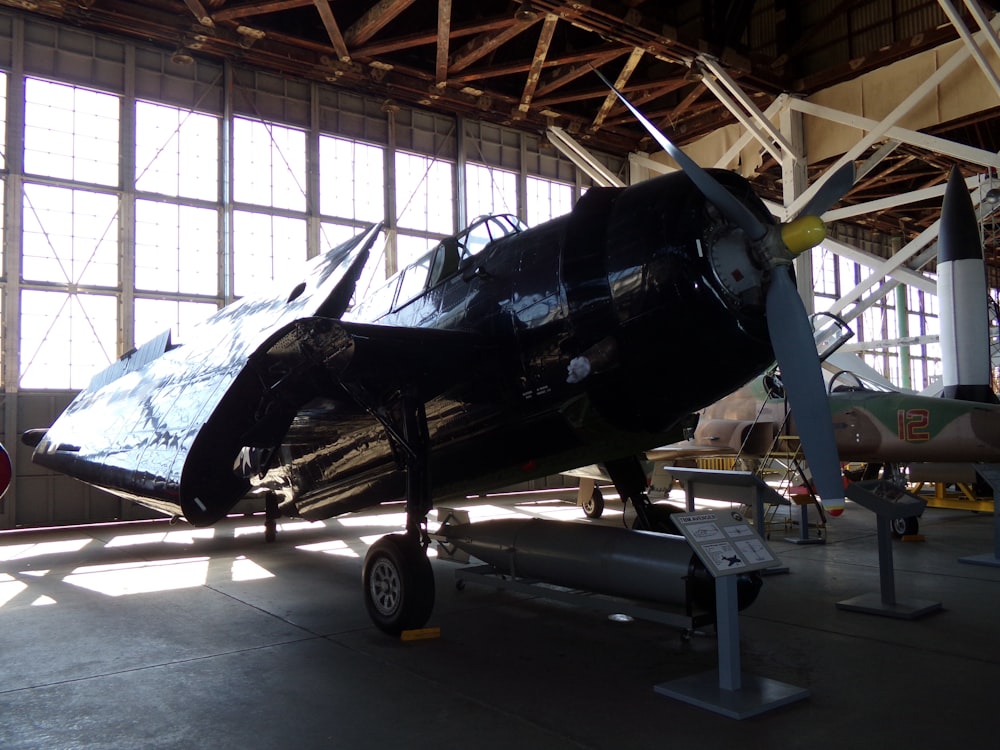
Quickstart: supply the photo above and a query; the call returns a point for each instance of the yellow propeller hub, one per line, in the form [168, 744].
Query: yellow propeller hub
[803, 233]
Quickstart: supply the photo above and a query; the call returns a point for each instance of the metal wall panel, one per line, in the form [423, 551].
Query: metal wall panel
[492, 145]
[268, 97]
[197, 85]
[74, 56]
[351, 115]
[427, 133]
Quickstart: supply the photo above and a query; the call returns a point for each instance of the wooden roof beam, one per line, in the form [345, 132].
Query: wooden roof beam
[200, 13]
[443, 39]
[621, 116]
[579, 96]
[627, 70]
[256, 9]
[483, 44]
[684, 104]
[419, 39]
[332, 29]
[374, 20]
[516, 68]
[572, 73]
[541, 52]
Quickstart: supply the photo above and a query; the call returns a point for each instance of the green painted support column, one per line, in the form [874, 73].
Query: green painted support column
[903, 318]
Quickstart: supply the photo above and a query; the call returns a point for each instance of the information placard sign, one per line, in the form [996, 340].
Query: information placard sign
[724, 541]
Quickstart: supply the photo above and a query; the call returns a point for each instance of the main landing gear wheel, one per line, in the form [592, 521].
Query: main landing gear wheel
[398, 584]
[593, 506]
[905, 526]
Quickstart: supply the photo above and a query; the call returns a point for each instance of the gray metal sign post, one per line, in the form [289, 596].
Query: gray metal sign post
[887, 501]
[728, 547]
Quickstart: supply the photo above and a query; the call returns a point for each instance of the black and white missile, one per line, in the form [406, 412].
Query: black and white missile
[603, 559]
[964, 324]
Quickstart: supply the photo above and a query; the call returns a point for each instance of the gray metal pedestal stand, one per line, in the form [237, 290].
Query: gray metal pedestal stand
[887, 502]
[990, 473]
[728, 547]
[803, 537]
[727, 691]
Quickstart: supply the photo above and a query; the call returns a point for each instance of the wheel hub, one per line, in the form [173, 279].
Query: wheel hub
[386, 587]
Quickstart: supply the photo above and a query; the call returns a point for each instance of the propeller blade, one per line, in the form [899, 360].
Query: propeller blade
[723, 200]
[832, 191]
[795, 350]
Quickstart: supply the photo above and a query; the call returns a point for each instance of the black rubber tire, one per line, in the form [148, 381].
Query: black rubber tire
[593, 507]
[905, 526]
[398, 584]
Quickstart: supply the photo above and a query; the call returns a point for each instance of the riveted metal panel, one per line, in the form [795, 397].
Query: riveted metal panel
[74, 56]
[427, 133]
[352, 116]
[492, 145]
[269, 97]
[196, 85]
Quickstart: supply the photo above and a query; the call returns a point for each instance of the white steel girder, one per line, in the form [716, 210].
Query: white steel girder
[883, 135]
[582, 158]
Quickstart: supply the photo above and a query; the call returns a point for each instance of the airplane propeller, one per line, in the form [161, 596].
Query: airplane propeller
[787, 322]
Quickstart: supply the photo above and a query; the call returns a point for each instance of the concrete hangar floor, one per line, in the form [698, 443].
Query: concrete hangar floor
[163, 636]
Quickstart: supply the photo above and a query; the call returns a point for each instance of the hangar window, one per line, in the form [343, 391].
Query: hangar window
[414, 280]
[547, 199]
[154, 316]
[331, 235]
[351, 179]
[268, 249]
[176, 152]
[66, 338]
[835, 275]
[269, 164]
[489, 191]
[424, 193]
[70, 236]
[409, 248]
[176, 248]
[70, 132]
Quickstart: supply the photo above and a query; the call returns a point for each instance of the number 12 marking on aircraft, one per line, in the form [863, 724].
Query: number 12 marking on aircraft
[913, 425]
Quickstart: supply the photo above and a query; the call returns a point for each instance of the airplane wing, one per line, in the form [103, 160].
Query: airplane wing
[183, 413]
[720, 437]
[195, 424]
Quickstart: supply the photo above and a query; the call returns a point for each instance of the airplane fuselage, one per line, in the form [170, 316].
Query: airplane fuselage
[623, 280]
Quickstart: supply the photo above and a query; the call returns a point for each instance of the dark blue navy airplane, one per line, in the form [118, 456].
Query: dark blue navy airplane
[505, 353]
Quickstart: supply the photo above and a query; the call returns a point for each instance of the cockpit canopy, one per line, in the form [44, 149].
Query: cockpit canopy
[438, 264]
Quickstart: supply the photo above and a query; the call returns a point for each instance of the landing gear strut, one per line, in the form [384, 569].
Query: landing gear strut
[630, 480]
[397, 577]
